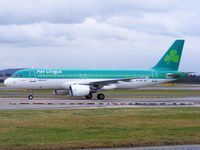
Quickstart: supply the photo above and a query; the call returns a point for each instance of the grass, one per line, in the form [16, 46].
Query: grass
[153, 92]
[88, 128]
[1, 84]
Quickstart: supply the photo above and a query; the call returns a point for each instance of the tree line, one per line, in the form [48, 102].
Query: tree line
[193, 79]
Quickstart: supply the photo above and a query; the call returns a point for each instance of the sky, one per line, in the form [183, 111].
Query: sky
[97, 34]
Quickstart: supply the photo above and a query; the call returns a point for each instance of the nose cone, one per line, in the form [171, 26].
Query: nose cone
[7, 82]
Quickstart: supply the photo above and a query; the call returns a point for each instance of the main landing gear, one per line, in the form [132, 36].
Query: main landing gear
[89, 96]
[30, 97]
[99, 96]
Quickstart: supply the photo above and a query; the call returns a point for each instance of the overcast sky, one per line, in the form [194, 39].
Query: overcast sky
[91, 34]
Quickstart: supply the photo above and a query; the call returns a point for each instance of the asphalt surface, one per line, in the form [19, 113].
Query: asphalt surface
[53, 103]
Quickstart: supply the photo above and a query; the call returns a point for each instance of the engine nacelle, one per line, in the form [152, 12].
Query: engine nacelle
[79, 90]
[61, 92]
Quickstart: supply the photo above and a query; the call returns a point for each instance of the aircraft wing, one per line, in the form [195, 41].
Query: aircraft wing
[107, 82]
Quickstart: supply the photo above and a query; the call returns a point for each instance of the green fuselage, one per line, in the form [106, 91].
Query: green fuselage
[93, 74]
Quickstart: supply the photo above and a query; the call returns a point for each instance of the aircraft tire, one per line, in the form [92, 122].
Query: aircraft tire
[89, 96]
[101, 96]
[30, 97]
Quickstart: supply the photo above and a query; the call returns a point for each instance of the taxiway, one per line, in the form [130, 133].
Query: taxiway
[59, 103]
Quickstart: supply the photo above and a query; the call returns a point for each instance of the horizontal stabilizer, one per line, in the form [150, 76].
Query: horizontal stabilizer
[174, 75]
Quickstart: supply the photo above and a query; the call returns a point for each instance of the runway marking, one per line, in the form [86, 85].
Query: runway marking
[101, 103]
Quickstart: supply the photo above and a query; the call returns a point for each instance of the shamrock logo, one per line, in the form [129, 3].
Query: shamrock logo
[172, 57]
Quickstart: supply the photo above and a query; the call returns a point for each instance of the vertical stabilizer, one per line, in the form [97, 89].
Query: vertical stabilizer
[172, 57]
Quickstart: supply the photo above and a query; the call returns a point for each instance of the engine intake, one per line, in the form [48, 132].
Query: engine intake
[79, 90]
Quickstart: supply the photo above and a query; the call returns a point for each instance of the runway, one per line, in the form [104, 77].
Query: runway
[59, 103]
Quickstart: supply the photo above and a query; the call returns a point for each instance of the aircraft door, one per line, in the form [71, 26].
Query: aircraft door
[32, 76]
[154, 75]
[83, 76]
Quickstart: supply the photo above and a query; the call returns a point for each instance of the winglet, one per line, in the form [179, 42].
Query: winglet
[171, 59]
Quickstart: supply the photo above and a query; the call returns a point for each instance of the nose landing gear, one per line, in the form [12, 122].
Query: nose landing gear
[30, 97]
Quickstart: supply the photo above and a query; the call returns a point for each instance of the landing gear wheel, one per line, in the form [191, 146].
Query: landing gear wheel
[101, 96]
[88, 96]
[30, 97]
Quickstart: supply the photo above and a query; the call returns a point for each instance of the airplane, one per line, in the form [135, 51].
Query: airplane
[87, 82]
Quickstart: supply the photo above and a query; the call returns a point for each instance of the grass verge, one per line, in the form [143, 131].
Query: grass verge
[153, 92]
[138, 94]
[89, 128]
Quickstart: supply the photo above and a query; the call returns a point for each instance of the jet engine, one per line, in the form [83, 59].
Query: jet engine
[61, 92]
[79, 90]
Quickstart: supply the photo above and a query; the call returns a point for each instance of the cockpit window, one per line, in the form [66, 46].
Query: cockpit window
[18, 75]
